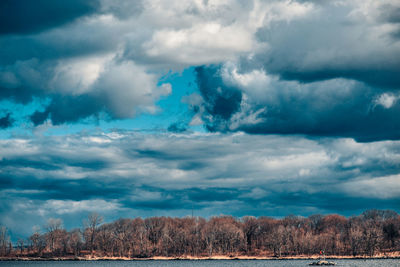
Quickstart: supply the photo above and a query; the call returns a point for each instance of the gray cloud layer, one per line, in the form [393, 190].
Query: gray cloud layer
[331, 72]
[20, 16]
[106, 57]
[257, 102]
[130, 174]
[354, 40]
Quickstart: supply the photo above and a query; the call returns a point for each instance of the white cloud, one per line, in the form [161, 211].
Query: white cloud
[384, 187]
[128, 89]
[386, 100]
[76, 76]
[60, 207]
[181, 34]
[201, 44]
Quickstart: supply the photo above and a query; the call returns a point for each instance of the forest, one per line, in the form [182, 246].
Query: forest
[374, 232]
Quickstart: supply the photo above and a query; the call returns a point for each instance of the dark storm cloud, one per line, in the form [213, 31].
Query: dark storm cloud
[50, 47]
[6, 121]
[63, 109]
[24, 16]
[351, 41]
[221, 101]
[336, 107]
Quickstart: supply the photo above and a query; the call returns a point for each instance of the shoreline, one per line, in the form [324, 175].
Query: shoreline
[191, 258]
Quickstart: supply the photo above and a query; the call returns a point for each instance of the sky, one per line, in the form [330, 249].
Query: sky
[168, 108]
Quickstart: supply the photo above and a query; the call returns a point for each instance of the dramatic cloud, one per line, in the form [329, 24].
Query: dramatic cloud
[117, 91]
[258, 102]
[74, 53]
[321, 68]
[354, 39]
[324, 76]
[333, 72]
[20, 16]
[118, 174]
[6, 121]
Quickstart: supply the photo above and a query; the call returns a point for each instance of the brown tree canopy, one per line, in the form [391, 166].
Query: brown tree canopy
[372, 232]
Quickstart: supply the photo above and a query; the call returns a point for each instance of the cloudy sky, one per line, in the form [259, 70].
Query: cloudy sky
[161, 108]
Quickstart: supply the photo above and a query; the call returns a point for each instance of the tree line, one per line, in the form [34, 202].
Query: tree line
[371, 233]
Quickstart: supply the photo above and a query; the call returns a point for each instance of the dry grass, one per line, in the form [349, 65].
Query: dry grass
[214, 257]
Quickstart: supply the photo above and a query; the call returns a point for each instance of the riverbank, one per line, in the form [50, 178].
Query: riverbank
[393, 255]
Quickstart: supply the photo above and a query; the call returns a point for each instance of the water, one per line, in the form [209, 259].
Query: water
[211, 263]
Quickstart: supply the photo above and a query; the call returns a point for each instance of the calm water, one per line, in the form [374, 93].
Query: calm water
[212, 263]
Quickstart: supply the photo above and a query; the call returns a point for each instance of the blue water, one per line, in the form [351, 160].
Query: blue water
[212, 263]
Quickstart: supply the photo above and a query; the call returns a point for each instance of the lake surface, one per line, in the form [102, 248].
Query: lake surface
[212, 263]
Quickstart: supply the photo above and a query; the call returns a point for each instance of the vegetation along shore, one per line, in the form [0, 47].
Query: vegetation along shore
[373, 234]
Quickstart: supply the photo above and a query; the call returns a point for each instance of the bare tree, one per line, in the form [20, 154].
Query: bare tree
[372, 232]
[4, 240]
[250, 227]
[75, 241]
[91, 224]
[20, 245]
[53, 227]
[38, 243]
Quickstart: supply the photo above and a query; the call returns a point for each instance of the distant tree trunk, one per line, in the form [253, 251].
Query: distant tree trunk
[20, 244]
[53, 227]
[4, 240]
[92, 222]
